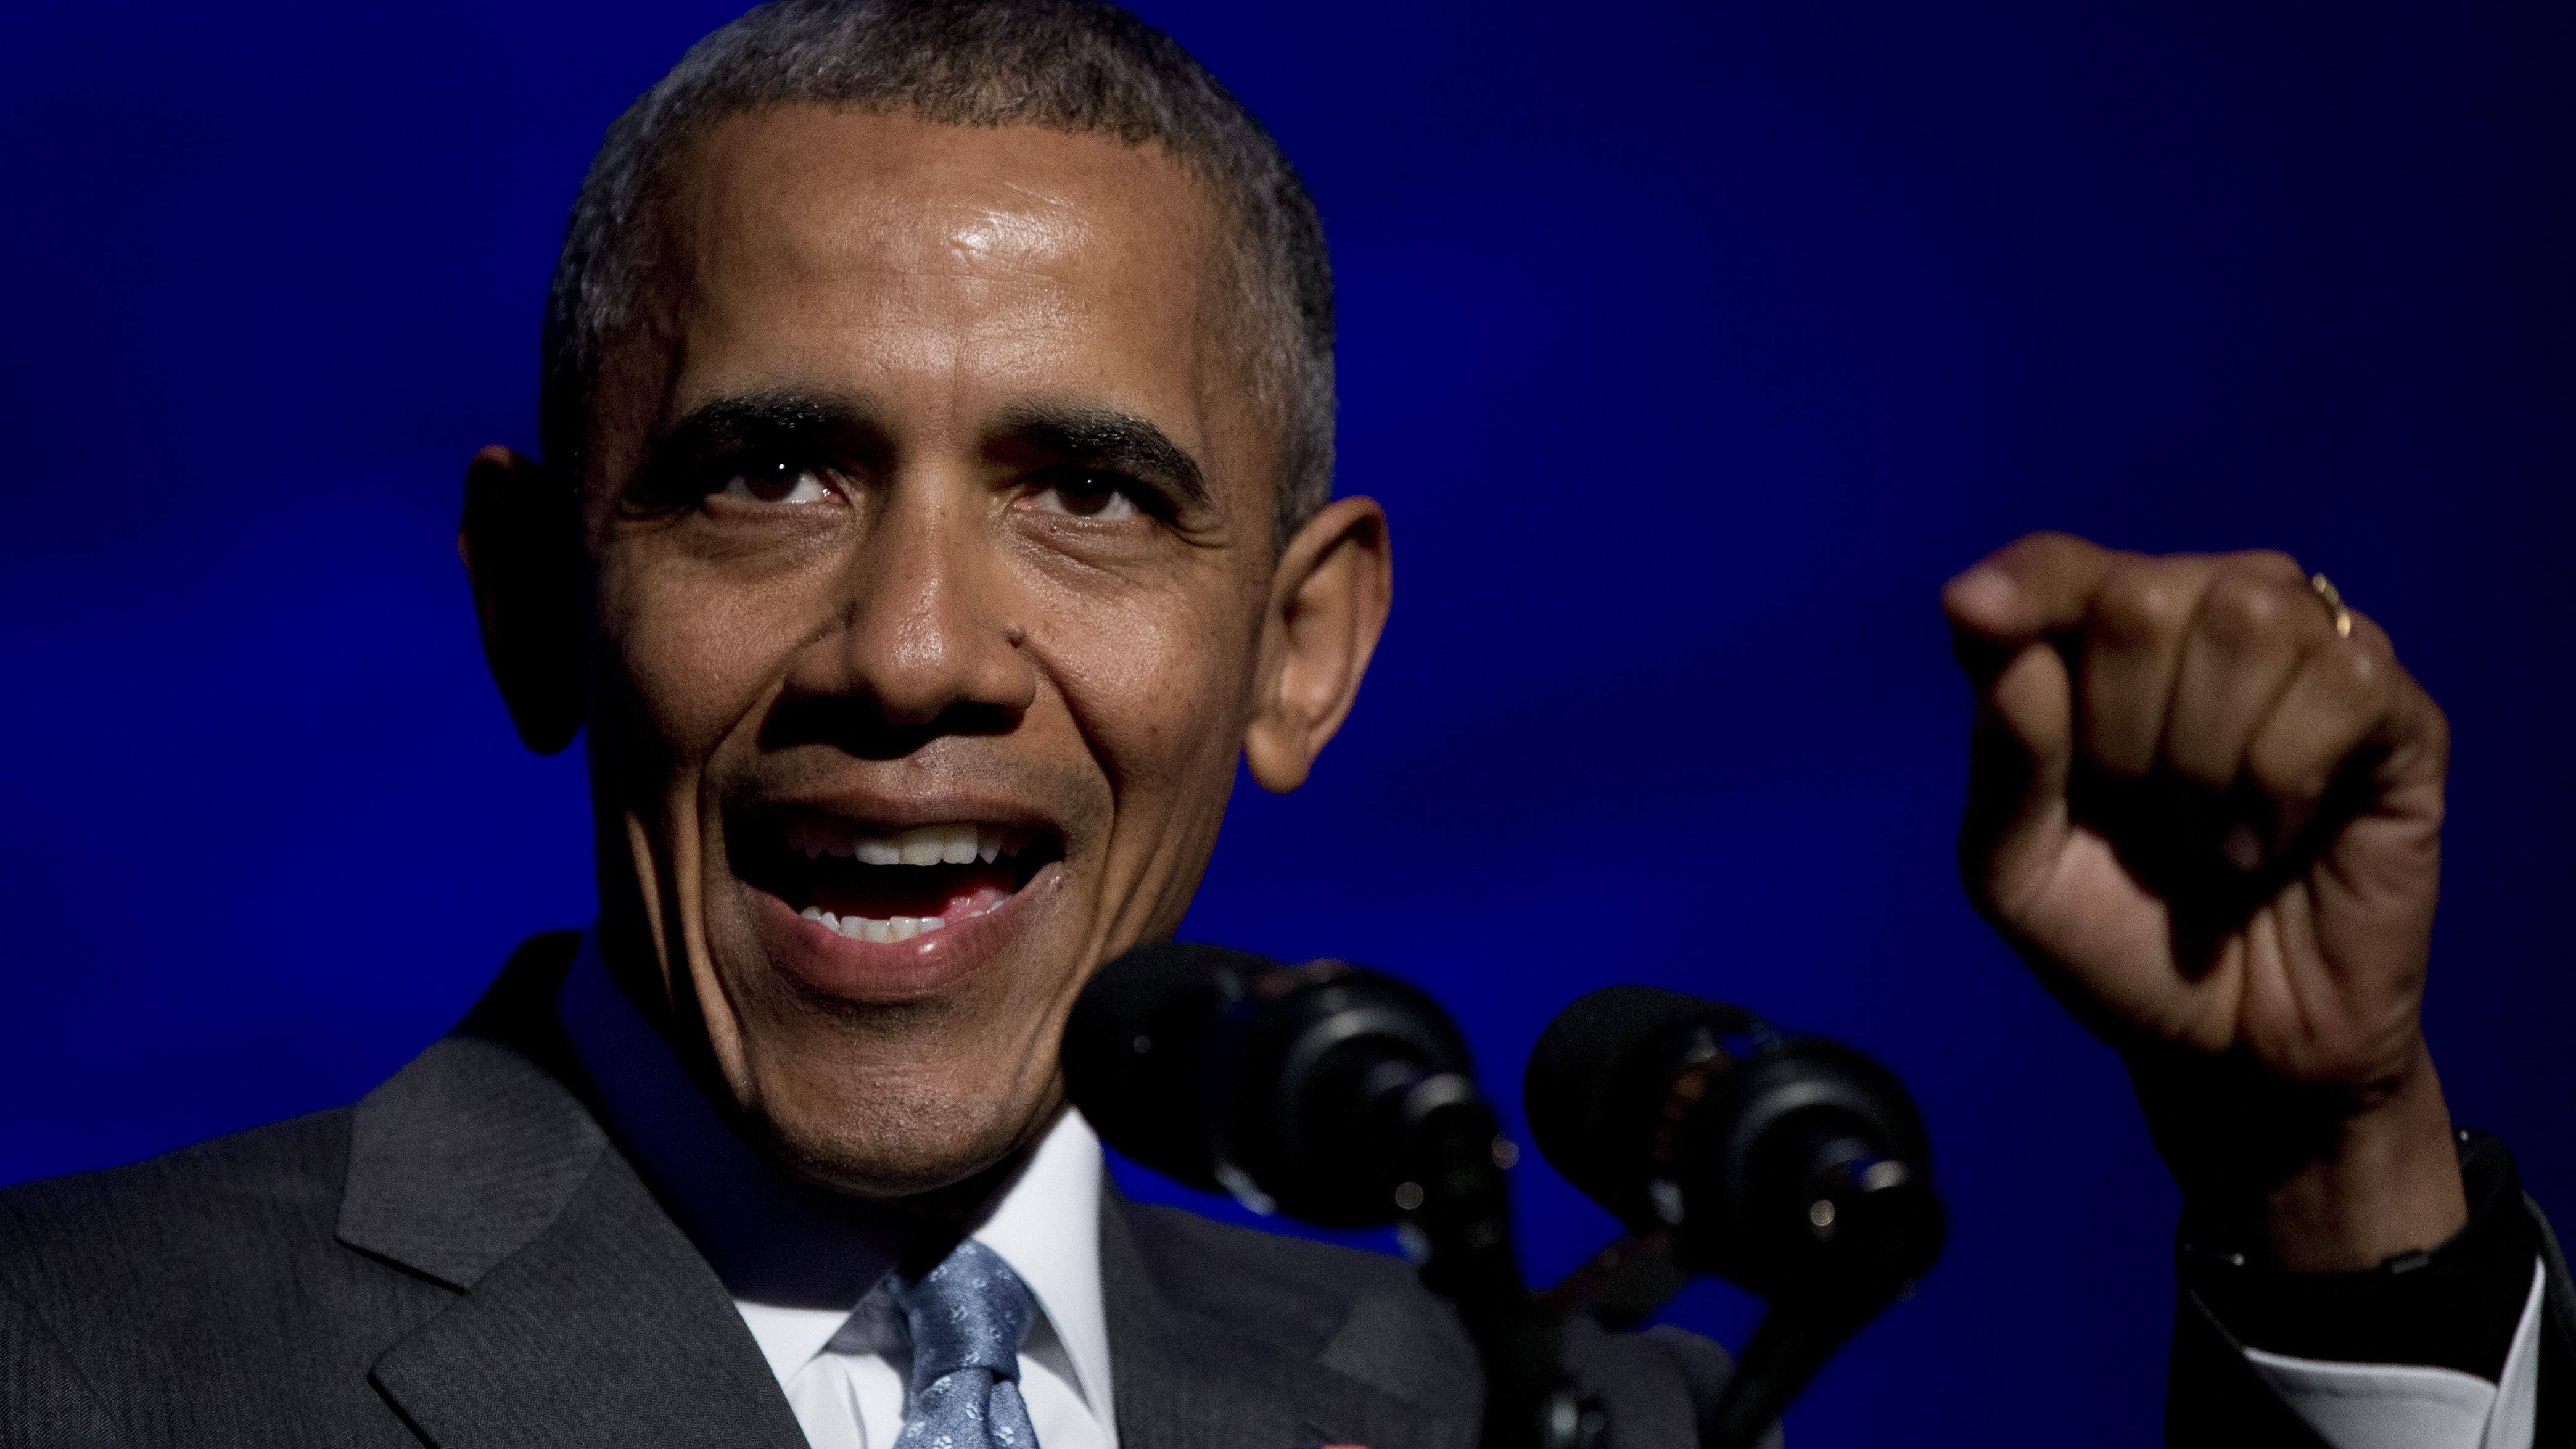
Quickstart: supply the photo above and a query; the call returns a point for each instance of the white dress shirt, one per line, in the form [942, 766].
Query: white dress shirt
[806, 1268]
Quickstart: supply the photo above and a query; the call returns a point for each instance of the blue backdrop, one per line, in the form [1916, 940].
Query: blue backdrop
[1691, 347]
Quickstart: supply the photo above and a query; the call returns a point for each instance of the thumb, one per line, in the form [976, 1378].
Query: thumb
[2005, 615]
[2037, 585]
[2019, 755]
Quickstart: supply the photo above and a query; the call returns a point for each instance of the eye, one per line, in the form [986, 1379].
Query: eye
[1082, 494]
[791, 483]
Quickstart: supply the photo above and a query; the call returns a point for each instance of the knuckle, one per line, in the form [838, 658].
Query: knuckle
[2144, 604]
[2369, 638]
[2046, 553]
[2242, 607]
[2272, 564]
[2030, 546]
[2355, 671]
[2436, 731]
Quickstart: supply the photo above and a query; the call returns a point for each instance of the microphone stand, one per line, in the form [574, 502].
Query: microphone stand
[1457, 1226]
[1805, 1323]
[1800, 1331]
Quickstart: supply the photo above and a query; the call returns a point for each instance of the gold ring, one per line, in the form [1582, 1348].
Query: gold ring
[2332, 598]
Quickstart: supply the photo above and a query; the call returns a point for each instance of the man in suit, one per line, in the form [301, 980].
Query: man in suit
[938, 413]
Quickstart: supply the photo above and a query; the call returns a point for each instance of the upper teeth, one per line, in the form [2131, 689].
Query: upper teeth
[952, 844]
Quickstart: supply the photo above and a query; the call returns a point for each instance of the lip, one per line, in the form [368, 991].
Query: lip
[826, 961]
[900, 812]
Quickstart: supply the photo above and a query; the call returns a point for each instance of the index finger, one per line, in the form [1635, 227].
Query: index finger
[2037, 585]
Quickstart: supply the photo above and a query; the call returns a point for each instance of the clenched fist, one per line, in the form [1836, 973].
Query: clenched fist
[2207, 811]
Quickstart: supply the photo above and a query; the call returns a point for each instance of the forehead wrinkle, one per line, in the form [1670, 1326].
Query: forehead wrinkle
[903, 208]
[1038, 236]
[1024, 272]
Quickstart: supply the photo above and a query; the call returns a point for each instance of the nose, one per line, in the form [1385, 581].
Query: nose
[921, 643]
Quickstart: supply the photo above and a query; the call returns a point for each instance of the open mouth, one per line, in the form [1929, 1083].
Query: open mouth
[877, 883]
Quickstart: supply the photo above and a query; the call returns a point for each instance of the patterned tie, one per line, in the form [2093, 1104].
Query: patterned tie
[968, 1317]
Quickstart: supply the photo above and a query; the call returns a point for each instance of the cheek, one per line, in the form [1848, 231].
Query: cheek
[695, 656]
[1155, 684]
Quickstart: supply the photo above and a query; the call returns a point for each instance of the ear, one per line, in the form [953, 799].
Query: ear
[521, 542]
[1328, 602]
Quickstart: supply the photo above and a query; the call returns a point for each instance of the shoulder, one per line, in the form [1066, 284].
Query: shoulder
[1367, 1317]
[243, 1203]
[1347, 1308]
[200, 1210]
[152, 1296]
[1197, 1262]
[255, 1278]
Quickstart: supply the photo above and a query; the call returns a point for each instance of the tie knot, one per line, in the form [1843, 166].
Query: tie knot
[971, 1311]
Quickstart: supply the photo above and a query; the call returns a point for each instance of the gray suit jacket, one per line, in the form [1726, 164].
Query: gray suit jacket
[465, 1258]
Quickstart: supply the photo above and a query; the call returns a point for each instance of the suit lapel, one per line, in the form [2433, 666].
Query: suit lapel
[584, 1315]
[1248, 1371]
[461, 1159]
[607, 1328]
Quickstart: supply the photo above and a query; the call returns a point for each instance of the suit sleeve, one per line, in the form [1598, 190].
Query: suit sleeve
[2464, 1347]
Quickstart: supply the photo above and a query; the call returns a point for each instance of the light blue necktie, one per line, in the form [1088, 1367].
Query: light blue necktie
[968, 1317]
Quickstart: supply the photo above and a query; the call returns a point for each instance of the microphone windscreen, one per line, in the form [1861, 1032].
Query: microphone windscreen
[1135, 1051]
[1597, 1079]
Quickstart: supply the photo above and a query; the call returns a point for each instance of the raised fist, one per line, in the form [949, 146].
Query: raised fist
[2205, 804]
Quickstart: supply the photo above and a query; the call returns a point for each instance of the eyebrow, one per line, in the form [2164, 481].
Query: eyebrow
[757, 421]
[794, 418]
[1107, 439]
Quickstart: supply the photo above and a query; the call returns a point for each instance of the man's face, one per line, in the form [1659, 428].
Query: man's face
[932, 556]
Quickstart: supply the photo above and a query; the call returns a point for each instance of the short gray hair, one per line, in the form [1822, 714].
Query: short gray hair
[1077, 66]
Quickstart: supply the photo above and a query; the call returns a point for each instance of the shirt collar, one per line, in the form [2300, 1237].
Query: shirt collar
[798, 1258]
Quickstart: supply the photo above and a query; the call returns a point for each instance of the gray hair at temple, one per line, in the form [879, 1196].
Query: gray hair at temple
[1074, 66]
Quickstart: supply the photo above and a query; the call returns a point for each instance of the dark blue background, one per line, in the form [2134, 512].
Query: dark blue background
[1691, 348]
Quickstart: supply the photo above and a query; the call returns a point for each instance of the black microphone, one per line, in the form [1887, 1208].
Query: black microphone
[1339, 1096]
[1293, 1088]
[1796, 1167]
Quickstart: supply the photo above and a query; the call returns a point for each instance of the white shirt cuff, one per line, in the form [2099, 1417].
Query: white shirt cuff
[2413, 1406]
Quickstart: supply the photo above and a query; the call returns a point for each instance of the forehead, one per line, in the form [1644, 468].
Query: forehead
[946, 271]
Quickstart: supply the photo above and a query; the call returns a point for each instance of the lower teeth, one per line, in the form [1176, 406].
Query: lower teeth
[863, 928]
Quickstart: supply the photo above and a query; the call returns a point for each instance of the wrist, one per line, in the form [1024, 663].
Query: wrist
[2301, 1178]
[2390, 1186]
[2462, 1305]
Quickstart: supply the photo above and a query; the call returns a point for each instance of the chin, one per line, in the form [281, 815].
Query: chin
[883, 1150]
[895, 1092]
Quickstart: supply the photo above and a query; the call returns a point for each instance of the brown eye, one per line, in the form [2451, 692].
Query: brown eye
[1087, 495]
[788, 483]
